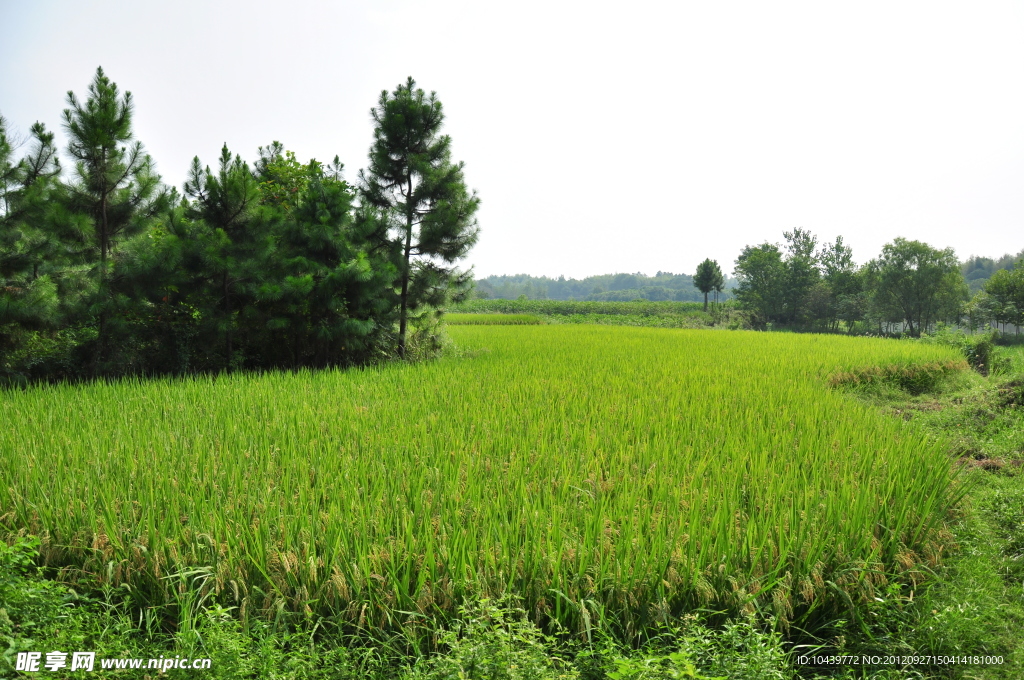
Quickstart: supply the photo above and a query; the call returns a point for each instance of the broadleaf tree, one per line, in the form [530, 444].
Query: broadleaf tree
[918, 283]
[708, 278]
[1005, 293]
[762, 276]
[412, 186]
[801, 273]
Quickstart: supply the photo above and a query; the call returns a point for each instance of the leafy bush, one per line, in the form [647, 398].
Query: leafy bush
[979, 350]
[738, 650]
[492, 640]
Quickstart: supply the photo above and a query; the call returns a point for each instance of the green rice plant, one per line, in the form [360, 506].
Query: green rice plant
[492, 319]
[611, 477]
[568, 307]
[689, 320]
[914, 378]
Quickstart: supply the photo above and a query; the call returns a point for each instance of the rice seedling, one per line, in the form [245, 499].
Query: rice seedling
[611, 477]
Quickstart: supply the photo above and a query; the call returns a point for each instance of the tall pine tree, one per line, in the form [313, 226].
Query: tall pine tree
[115, 186]
[227, 248]
[29, 299]
[420, 195]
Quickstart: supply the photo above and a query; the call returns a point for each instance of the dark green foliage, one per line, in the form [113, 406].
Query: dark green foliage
[331, 300]
[267, 268]
[917, 284]
[227, 250]
[111, 273]
[978, 270]
[762, 275]
[1005, 295]
[117, 194]
[708, 278]
[838, 297]
[802, 275]
[28, 278]
[909, 289]
[418, 196]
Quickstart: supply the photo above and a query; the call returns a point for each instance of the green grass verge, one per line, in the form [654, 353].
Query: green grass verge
[975, 605]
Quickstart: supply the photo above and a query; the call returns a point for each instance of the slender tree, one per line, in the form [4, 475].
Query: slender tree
[839, 289]
[115, 184]
[719, 284]
[801, 273]
[420, 195]
[708, 278]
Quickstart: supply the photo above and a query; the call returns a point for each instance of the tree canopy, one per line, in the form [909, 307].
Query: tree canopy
[414, 189]
[708, 278]
[107, 271]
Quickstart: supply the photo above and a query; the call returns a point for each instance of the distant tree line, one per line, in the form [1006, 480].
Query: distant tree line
[978, 270]
[106, 271]
[603, 288]
[909, 288]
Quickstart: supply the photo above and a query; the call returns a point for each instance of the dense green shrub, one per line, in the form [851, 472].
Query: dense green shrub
[977, 349]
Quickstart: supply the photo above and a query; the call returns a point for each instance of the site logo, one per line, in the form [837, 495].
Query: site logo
[33, 662]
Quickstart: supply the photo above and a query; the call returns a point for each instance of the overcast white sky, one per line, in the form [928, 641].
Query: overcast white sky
[602, 137]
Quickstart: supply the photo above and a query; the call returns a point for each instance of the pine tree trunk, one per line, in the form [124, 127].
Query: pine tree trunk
[227, 315]
[101, 331]
[405, 296]
[402, 321]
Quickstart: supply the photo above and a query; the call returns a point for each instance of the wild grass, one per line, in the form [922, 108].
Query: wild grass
[611, 477]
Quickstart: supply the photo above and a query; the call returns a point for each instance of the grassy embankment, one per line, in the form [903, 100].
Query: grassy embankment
[977, 603]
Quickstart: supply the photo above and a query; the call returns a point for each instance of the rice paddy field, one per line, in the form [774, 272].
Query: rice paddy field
[612, 477]
[492, 319]
[651, 314]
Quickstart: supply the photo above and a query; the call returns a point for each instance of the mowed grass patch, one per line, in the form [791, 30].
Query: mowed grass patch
[612, 477]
